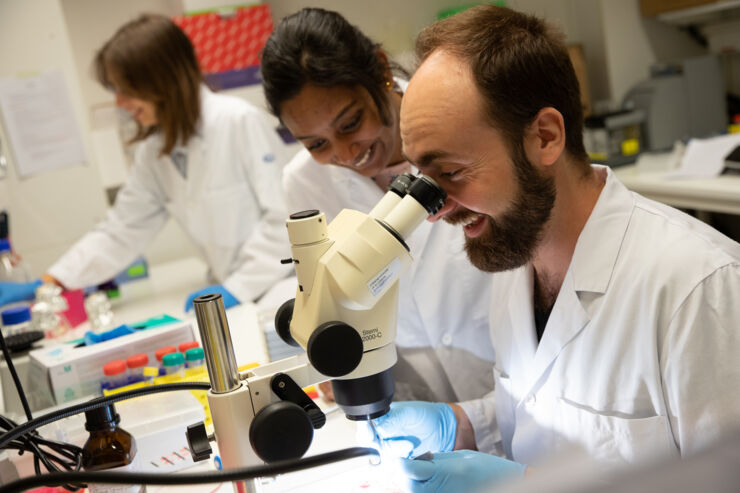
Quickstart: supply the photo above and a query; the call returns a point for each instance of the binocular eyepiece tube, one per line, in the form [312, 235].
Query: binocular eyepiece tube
[410, 199]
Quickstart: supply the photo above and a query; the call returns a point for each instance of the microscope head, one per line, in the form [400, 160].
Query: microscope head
[346, 305]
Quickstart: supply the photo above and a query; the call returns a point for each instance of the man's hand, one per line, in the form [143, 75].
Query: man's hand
[460, 471]
[412, 428]
[228, 298]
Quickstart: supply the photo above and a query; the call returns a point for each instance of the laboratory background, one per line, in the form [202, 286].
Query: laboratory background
[660, 89]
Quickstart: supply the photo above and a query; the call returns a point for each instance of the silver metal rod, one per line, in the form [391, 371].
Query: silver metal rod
[217, 345]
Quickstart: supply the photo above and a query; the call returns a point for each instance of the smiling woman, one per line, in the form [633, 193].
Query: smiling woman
[151, 67]
[211, 162]
[335, 90]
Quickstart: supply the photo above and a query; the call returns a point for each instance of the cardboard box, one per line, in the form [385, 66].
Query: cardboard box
[65, 373]
[651, 8]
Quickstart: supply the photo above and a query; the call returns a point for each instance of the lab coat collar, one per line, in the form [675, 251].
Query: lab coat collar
[601, 239]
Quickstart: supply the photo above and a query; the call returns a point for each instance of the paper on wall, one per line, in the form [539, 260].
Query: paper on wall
[40, 123]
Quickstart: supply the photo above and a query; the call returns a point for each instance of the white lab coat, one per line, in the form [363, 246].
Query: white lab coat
[640, 355]
[443, 299]
[229, 204]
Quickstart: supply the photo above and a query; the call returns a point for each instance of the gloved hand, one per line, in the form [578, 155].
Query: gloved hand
[459, 471]
[229, 299]
[10, 292]
[412, 428]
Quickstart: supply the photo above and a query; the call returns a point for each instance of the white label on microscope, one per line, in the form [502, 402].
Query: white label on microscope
[388, 274]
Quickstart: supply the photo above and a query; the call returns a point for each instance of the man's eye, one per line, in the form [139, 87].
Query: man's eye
[316, 145]
[449, 174]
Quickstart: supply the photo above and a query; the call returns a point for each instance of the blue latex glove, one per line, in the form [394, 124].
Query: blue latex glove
[412, 428]
[459, 471]
[10, 292]
[229, 299]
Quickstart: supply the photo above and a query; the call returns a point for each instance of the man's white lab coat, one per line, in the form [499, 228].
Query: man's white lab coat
[443, 300]
[640, 353]
[229, 204]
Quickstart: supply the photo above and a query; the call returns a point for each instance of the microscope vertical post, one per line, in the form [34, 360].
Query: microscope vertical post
[229, 400]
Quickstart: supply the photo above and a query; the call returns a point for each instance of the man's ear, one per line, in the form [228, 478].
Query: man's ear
[545, 136]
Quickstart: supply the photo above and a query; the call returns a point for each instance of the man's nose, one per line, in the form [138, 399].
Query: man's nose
[449, 206]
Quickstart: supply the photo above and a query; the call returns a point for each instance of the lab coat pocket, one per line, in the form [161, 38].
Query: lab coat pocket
[613, 439]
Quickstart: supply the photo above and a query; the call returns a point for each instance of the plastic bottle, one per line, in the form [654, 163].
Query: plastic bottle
[11, 267]
[115, 375]
[174, 364]
[109, 448]
[16, 320]
[194, 358]
[98, 309]
[160, 353]
[136, 364]
[184, 346]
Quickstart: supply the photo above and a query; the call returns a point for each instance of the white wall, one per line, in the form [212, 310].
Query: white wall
[50, 210]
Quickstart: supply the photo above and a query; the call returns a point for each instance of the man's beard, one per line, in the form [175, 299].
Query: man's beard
[510, 240]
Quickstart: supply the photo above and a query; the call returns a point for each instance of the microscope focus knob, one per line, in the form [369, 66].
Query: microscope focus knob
[198, 442]
[283, 316]
[335, 349]
[280, 431]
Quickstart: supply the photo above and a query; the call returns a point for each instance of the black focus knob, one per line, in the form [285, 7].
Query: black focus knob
[280, 431]
[335, 349]
[283, 316]
[200, 446]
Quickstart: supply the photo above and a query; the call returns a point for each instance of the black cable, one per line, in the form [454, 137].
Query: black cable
[94, 404]
[281, 467]
[16, 380]
[34, 442]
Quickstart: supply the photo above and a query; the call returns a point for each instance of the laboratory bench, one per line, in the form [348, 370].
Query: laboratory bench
[704, 195]
[164, 292]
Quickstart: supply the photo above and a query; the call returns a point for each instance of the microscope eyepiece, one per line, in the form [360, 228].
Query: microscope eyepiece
[400, 184]
[430, 195]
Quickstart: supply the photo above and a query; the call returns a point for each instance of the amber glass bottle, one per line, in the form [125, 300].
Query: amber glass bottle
[108, 448]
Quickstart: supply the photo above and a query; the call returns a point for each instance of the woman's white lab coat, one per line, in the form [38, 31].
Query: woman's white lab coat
[443, 298]
[229, 204]
[640, 353]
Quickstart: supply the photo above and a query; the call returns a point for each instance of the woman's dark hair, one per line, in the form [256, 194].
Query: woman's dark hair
[319, 47]
[520, 65]
[150, 58]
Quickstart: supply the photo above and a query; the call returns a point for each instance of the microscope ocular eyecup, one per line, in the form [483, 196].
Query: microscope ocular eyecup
[428, 193]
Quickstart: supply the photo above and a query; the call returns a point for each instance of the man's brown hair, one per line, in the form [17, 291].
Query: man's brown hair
[150, 58]
[520, 65]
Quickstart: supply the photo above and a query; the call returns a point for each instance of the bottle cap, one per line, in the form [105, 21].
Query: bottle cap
[137, 360]
[194, 354]
[101, 418]
[187, 345]
[159, 353]
[4, 245]
[173, 359]
[115, 367]
[16, 315]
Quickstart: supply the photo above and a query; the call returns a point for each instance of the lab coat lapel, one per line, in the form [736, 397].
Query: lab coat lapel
[566, 321]
[590, 271]
[521, 319]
